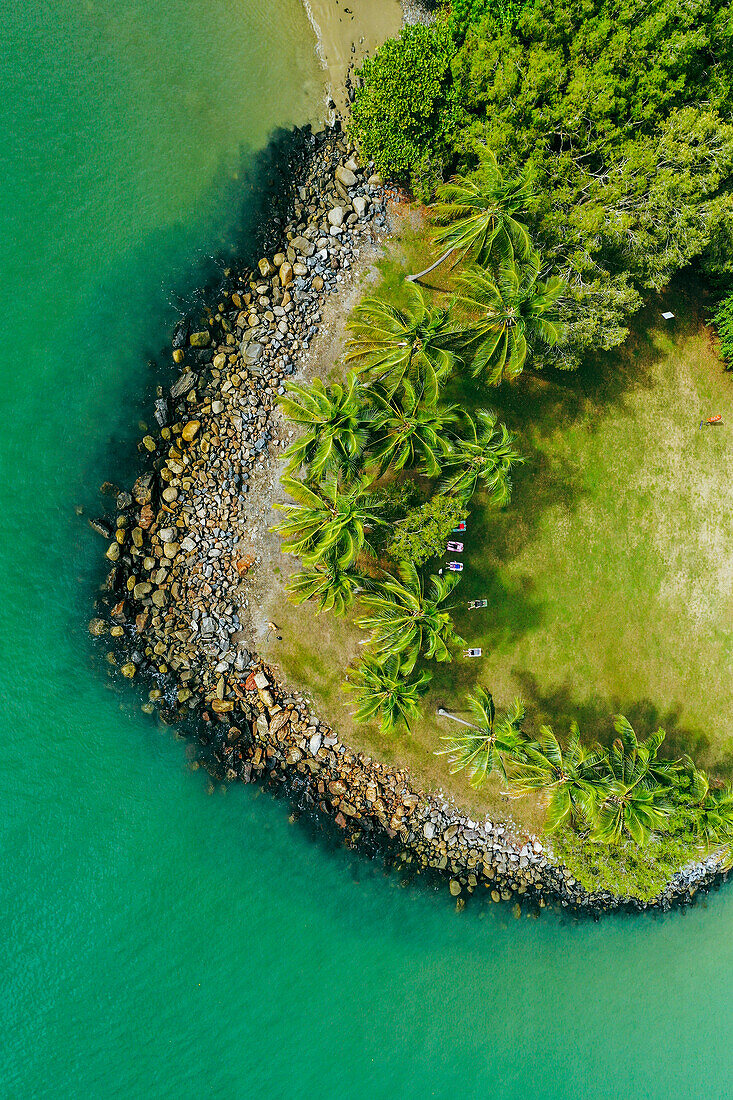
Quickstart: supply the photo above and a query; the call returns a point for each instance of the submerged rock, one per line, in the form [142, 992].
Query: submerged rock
[200, 339]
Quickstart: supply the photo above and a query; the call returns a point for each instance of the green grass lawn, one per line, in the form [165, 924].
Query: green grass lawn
[609, 576]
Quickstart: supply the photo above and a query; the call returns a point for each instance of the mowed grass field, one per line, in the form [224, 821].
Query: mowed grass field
[609, 576]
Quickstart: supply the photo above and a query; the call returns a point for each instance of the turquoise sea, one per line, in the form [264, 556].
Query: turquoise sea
[157, 940]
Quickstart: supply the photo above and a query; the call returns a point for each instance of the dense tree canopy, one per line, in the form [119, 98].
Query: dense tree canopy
[621, 116]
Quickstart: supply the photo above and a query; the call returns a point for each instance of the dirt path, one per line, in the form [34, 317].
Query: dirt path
[267, 580]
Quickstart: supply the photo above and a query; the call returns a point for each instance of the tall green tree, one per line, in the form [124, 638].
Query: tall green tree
[406, 617]
[423, 532]
[486, 454]
[510, 312]
[473, 210]
[622, 117]
[407, 432]
[480, 749]
[416, 343]
[334, 418]
[386, 690]
[571, 780]
[329, 520]
[635, 805]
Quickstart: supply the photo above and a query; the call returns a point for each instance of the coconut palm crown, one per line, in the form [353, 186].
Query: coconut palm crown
[571, 779]
[473, 210]
[405, 617]
[511, 310]
[634, 805]
[327, 584]
[485, 454]
[334, 418]
[712, 821]
[416, 343]
[480, 750]
[385, 689]
[328, 520]
[408, 433]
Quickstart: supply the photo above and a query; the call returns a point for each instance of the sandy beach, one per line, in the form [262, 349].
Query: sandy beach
[347, 30]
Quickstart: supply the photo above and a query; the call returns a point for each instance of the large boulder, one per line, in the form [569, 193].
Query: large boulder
[183, 385]
[345, 176]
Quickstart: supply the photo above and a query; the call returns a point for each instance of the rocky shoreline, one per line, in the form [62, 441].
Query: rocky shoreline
[183, 548]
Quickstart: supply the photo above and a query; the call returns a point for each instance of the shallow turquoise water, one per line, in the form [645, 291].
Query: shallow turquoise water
[157, 940]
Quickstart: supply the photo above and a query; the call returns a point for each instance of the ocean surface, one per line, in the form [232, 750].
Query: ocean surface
[157, 940]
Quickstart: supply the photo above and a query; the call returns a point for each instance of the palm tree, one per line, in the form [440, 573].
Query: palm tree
[405, 618]
[335, 421]
[416, 343]
[712, 821]
[387, 690]
[481, 749]
[410, 433]
[511, 310]
[635, 804]
[571, 780]
[474, 210]
[329, 520]
[331, 586]
[486, 454]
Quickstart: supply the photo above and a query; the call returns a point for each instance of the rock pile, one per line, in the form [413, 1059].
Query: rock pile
[182, 544]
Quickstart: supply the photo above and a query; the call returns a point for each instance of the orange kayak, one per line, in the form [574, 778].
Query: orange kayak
[714, 419]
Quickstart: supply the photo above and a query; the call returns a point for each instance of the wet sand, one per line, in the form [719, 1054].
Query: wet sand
[346, 31]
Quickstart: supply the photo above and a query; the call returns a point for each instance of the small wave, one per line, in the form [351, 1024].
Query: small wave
[321, 55]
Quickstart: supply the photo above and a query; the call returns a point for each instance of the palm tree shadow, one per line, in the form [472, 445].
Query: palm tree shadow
[558, 707]
[541, 407]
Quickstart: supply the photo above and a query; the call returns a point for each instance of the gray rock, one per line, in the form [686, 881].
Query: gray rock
[315, 743]
[101, 527]
[183, 385]
[161, 411]
[336, 216]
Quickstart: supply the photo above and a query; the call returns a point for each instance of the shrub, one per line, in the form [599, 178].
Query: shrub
[423, 533]
[401, 98]
[624, 869]
[464, 13]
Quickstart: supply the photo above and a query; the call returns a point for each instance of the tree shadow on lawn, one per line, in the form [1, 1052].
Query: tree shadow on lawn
[537, 407]
[558, 707]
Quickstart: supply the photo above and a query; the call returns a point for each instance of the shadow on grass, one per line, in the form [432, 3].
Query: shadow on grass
[538, 407]
[558, 707]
